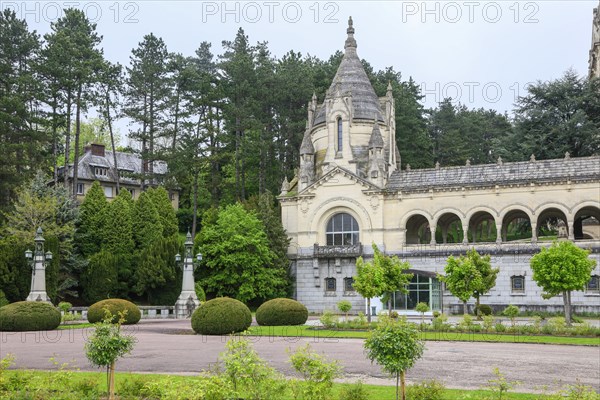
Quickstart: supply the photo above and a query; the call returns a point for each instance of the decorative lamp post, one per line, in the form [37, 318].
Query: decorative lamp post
[187, 301]
[38, 262]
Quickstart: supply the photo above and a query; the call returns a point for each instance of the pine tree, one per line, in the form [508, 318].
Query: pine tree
[91, 222]
[147, 228]
[168, 217]
[117, 235]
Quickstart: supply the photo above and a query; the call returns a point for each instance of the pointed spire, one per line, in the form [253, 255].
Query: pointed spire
[389, 89]
[350, 41]
[532, 158]
[468, 163]
[307, 144]
[500, 162]
[376, 140]
[314, 97]
[408, 167]
[567, 156]
[437, 165]
[285, 187]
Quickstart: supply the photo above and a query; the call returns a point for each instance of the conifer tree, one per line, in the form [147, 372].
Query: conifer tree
[168, 218]
[147, 228]
[118, 233]
[90, 225]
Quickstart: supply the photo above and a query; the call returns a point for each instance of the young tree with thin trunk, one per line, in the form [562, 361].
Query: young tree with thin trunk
[560, 269]
[368, 282]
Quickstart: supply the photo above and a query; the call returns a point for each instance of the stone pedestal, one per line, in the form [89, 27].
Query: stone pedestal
[187, 301]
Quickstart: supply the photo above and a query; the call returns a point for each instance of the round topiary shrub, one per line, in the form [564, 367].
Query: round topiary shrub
[29, 316]
[484, 309]
[279, 312]
[221, 316]
[96, 311]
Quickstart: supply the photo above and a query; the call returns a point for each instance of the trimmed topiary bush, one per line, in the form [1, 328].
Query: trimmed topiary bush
[96, 311]
[278, 312]
[484, 309]
[221, 316]
[29, 316]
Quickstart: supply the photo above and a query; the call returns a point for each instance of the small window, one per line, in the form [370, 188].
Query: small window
[80, 188]
[100, 171]
[339, 135]
[374, 174]
[593, 285]
[330, 284]
[517, 284]
[348, 284]
[108, 191]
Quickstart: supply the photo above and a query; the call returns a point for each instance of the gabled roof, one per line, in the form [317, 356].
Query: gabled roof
[539, 171]
[347, 173]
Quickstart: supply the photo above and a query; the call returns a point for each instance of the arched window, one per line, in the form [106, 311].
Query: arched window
[342, 229]
[339, 134]
[517, 284]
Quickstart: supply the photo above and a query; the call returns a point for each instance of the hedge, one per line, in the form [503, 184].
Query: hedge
[221, 316]
[279, 312]
[29, 316]
[96, 311]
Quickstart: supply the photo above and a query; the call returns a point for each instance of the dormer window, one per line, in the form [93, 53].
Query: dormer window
[339, 134]
[98, 171]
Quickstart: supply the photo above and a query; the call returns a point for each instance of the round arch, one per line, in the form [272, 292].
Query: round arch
[327, 209]
[513, 207]
[448, 210]
[418, 229]
[449, 226]
[516, 224]
[482, 226]
[586, 221]
[552, 220]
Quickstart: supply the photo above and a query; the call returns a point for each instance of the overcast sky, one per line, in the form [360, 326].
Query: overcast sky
[479, 52]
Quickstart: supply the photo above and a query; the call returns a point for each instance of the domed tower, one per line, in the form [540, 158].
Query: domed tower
[340, 129]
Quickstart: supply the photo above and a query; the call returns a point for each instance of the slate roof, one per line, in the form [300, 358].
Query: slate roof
[376, 141]
[540, 171]
[351, 78]
[129, 166]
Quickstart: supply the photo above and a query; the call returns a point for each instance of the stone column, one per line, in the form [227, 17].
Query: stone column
[432, 230]
[534, 237]
[445, 234]
[187, 301]
[499, 233]
[38, 273]
[571, 228]
[465, 236]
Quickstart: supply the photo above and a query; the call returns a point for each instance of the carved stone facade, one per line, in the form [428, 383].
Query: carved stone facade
[595, 50]
[350, 193]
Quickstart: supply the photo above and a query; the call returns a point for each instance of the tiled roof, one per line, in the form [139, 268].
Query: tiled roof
[575, 169]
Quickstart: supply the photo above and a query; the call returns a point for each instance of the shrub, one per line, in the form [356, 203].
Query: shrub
[484, 309]
[355, 391]
[488, 323]
[278, 312]
[318, 373]
[328, 319]
[64, 306]
[29, 316]
[500, 328]
[221, 316]
[344, 306]
[558, 325]
[96, 311]
[199, 292]
[3, 300]
[426, 390]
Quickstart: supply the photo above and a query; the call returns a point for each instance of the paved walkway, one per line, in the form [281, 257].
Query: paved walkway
[169, 346]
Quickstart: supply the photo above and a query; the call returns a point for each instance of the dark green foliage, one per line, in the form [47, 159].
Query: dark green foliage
[168, 218]
[90, 225]
[3, 300]
[279, 312]
[101, 277]
[147, 228]
[96, 311]
[29, 316]
[117, 236]
[221, 316]
[484, 309]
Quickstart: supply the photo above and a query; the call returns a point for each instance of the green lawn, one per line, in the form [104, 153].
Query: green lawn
[306, 331]
[70, 384]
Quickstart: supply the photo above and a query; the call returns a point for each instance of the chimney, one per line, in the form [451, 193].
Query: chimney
[97, 149]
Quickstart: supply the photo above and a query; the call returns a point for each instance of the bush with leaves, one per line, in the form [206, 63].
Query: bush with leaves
[395, 346]
[280, 312]
[355, 391]
[107, 344]
[97, 313]
[511, 312]
[426, 390]
[221, 316]
[329, 319]
[250, 374]
[29, 316]
[317, 372]
[500, 386]
[344, 306]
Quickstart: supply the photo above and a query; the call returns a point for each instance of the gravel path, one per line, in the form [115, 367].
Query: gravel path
[169, 346]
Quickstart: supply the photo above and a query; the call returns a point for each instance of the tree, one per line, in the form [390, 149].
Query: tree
[147, 227]
[100, 279]
[422, 308]
[395, 345]
[91, 222]
[156, 274]
[106, 345]
[393, 277]
[344, 306]
[166, 212]
[237, 257]
[368, 282]
[469, 276]
[555, 117]
[560, 269]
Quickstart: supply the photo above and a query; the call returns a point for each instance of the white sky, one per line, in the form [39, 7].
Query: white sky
[481, 51]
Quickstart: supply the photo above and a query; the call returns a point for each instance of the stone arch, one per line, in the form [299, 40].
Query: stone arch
[514, 207]
[586, 221]
[449, 222]
[516, 223]
[482, 226]
[553, 219]
[417, 228]
[328, 208]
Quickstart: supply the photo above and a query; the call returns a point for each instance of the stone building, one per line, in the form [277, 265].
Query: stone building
[350, 193]
[595, 50]
[97, 164]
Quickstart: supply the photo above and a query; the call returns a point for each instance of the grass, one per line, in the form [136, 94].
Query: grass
[328, 334]
[79, 325]
[67, 380]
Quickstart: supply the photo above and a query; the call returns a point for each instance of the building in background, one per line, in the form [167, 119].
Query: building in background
[97, 164]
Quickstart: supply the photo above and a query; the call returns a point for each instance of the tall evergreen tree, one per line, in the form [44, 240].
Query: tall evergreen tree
[92, 221]
[147, 228]
[166, 213]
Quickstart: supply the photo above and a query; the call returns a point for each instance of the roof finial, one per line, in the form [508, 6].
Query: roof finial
[350, 42]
